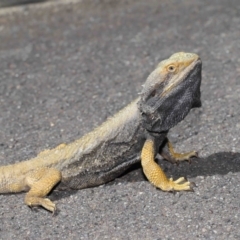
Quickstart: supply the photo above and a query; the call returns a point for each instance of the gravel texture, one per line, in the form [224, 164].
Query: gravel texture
[66, 66]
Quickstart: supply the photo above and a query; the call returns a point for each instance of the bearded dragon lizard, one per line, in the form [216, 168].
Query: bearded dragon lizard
[136, 133]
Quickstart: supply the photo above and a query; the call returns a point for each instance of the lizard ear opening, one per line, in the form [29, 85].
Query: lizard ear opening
[153, 93]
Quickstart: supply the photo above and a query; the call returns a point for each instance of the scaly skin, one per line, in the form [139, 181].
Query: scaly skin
[155, 174]
[133, 134]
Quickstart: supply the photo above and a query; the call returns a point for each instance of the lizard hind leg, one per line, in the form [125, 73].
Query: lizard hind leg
[168, 153]
[41, 181]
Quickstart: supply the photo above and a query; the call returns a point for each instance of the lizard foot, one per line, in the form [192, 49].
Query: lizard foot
[44, 202]
[181, 184]
[155, 174]
[41, 181]
[169, 154]
[185, 156]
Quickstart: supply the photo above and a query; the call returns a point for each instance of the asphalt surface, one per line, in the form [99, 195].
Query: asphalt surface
[66, 66]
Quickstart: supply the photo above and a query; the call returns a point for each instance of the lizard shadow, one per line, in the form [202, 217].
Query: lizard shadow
[217, 163]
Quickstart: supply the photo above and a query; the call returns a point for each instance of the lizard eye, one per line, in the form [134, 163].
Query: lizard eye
[171, 68]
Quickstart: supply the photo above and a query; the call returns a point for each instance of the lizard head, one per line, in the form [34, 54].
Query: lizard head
[170, 92]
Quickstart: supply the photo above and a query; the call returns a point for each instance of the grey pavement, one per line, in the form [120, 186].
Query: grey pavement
[65, 66]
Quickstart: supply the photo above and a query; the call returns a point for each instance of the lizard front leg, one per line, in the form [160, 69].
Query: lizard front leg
[168, 153]
[155, 174]
[41, 181]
